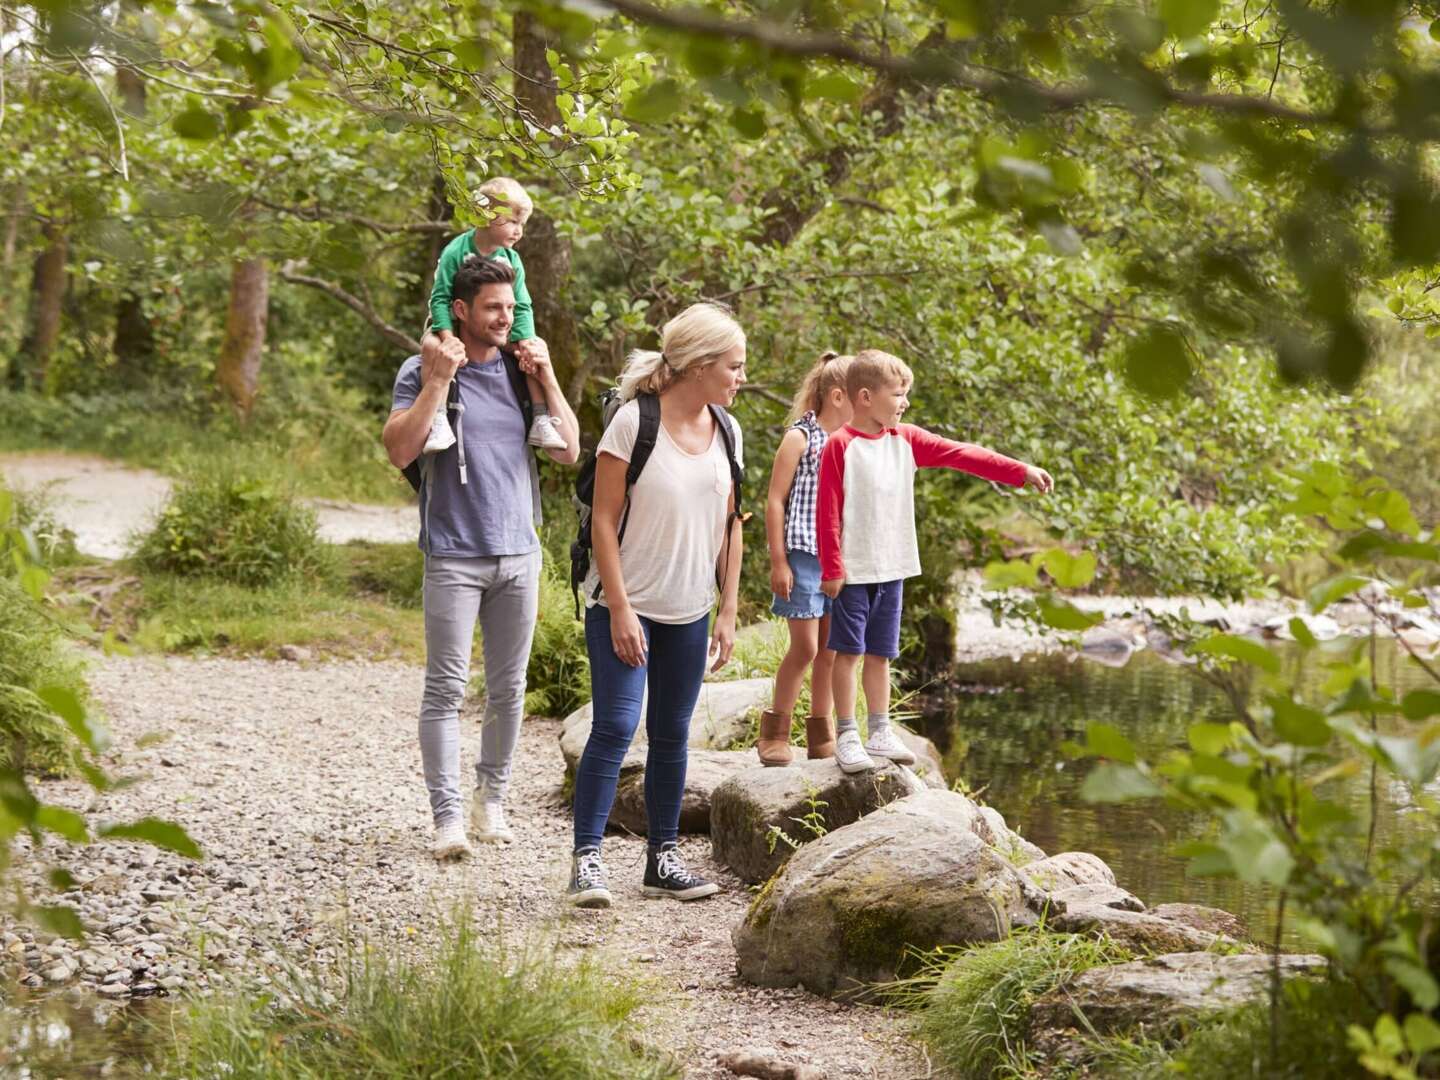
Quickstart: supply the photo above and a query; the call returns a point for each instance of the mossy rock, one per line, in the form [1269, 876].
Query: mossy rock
[850, 907]
[704, 772]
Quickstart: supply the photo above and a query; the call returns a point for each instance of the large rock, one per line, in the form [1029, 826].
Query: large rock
[1199, 917]
[746, 808]
[919, 872]
[1067, 869]
[1143, 932]
[721, 718]
[705, 771]
[1153, 994]
[927, 757]
[1106, 895]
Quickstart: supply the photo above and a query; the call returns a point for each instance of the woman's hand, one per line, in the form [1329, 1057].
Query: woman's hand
[722, 641]
[626, 636]
[782, 578]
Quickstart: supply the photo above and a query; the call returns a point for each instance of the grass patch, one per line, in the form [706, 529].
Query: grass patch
[477, 1009]
[34, 654]
[974, 1003]
[394, 573]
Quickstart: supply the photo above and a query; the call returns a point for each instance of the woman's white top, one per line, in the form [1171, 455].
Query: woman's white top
[676, 525]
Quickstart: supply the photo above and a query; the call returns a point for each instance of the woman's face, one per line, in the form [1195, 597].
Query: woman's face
[721, 379]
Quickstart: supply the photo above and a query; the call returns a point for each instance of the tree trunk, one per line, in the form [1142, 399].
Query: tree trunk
[134, 341]
[238, 369]
[47, 293]
[546, 252]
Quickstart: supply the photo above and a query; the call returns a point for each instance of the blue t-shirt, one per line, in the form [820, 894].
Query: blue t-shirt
[498, 511]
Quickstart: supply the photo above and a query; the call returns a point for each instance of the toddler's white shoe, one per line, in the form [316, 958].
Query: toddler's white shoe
[850, 755]
[450, 843]
[545, 433]
[441, 437]
[886, 744]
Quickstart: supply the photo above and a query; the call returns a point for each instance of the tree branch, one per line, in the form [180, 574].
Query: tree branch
[933, 67]
[382, 228]
[290, 272]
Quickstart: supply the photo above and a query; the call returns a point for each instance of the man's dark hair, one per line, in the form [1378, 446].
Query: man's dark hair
[477, 271]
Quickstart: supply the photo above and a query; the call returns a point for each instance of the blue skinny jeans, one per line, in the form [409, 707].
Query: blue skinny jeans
[674, 668]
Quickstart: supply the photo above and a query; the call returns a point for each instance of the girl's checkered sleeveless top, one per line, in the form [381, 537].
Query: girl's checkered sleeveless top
[800, 506]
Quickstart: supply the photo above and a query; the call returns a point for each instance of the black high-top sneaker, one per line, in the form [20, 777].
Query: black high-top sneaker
[587, 880]
[665, 875]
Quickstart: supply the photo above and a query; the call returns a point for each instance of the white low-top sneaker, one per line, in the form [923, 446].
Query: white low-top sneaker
[545, 433]
[850, 755]
[487, 819]
[440, 437]
[450, 843]
[885, 744]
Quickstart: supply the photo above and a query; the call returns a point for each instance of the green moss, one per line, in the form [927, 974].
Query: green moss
[872, 938]
[762, 908]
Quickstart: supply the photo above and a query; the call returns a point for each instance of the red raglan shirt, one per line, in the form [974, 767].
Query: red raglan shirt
[865, 508]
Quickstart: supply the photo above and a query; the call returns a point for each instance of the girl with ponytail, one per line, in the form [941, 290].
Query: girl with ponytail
[821, 405]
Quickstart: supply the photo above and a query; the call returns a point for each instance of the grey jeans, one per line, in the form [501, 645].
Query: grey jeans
[504, 593]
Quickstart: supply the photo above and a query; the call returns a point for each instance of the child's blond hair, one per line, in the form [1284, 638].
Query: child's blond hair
[699, 335]
[828, 374]
[500, 195]
[871, 369]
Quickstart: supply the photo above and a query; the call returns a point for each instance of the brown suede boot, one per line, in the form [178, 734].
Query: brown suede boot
[774, 741]
[819, 737]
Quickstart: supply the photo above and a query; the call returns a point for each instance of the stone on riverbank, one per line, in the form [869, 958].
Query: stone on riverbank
[922, 871]
[721, 718]
[1141, 931]
[1155, 993]
[1199, 917]
[1067, 869]
[706, 771]
[747, 806]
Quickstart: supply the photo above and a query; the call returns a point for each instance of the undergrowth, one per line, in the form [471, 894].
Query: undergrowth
[34, 654]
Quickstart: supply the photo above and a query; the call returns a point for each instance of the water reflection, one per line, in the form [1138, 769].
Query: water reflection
[76, 1035]
[1003, 728]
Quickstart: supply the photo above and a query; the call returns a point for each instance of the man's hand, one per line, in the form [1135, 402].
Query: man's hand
[832, 587]
[440, 358]
[1039, 479]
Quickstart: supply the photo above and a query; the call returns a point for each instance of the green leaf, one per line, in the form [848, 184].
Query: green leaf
[196, 124]
[1206, 859]
[1157, 363]
[656, 103]
[1435, 30]
[1008, 575]
[1212, 739]
[1063, 615]
[62, 880]
[1109, 782]
[1421, 1034]
[1327, 592]
[1301, 632]
[749, 122]
[1418, 982]
[1420, 704]
[1258, 855]
[1069, 571]
[1103, 740]
[163, 834]
[58, 919]
[1188, 18]
[1299, 724]
[33, 580]
[61, 700]
[63, 822]
[834, 88]
[1241, 649]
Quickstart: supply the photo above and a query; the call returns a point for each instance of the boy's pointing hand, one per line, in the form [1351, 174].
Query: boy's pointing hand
[1039, 479]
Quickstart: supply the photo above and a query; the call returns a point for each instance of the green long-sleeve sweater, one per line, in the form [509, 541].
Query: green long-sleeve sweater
[450, 260]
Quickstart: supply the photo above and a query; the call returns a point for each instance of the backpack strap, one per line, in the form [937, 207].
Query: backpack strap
[723, 421]
[519, 384]
[645, 437]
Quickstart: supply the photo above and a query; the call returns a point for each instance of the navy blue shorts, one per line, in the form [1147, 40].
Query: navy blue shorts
[866, 619]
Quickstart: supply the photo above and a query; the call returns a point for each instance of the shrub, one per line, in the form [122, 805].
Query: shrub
[237, 528]
[975, 1002]
[26, 520]
[33, 655]
[479, 1009]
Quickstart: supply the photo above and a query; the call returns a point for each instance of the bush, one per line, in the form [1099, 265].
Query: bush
[234, 527]
[26, 518]
[477, 1010]
[975, 1002]
[33, 655]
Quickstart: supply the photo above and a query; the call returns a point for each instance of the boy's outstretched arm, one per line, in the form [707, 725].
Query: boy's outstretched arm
[937, 452]
[830, 516]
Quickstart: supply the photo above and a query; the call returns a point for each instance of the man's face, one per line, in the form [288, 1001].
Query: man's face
[488, 318]
[887, 403]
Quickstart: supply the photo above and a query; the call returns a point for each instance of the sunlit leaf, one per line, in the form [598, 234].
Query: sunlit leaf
[1420, 704]
[656, 103]
[1069, 571]
[196, 124]
[1239, 648]
[58, 919]
[1063, 615]
[1187, 18]
[163, 834]
[1109, 782]
[1210, 739]
[63, 822]
[1107, 741]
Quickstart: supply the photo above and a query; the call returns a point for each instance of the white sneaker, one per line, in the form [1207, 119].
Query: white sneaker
[450, 843]
[487, 819]
[545, 433]
[850, 755]
[886, 744]
[441, 437]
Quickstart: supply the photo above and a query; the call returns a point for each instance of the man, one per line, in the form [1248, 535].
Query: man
[479, 508]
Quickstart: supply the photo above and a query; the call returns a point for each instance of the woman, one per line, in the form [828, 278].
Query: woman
[648, 624]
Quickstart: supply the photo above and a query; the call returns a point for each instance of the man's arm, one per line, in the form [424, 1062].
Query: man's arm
[407, 429]
[538, 356]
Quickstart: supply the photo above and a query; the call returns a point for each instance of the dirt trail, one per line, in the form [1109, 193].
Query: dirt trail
[105, 503]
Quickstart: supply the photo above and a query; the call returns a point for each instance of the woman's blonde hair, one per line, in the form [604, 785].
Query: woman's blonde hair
[502, 195]
[698, 336]
[828, 374]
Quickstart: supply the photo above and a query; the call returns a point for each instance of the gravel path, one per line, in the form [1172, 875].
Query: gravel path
[303, 785]
[104, 503]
